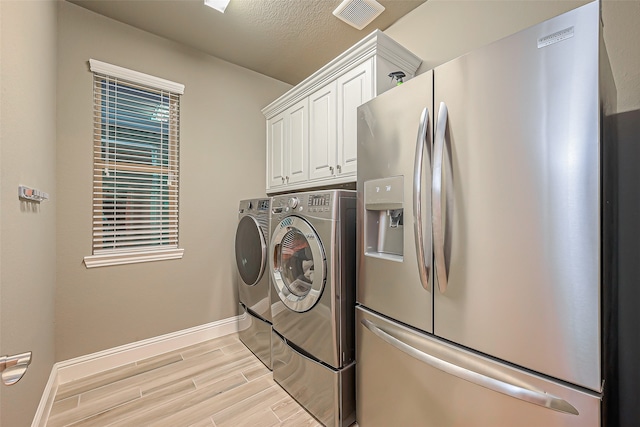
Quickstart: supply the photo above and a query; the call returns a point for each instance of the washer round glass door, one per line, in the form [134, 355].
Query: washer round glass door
[251, 250]
[298, 263]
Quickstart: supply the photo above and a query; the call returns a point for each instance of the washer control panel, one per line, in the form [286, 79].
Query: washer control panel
[311, 204]
[319, 202]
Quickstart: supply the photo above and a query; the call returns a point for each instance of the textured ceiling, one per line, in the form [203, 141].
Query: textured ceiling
[284, 39]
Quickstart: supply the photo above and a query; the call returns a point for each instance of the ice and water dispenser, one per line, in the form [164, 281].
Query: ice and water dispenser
[384, 218]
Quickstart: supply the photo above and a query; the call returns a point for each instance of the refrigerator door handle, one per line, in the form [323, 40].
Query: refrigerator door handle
[502, 383]
[424, 260]
[436, 199]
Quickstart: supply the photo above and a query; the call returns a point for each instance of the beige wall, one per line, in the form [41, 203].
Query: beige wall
[222, 160]
[27, 157]
[621, 20]
[441, 30]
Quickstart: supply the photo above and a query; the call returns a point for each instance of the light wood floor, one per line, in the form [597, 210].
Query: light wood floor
[217, 383]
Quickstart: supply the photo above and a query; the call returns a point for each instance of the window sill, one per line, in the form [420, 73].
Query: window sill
[104, 260]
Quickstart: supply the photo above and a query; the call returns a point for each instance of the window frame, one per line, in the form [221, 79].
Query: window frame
[127, 255]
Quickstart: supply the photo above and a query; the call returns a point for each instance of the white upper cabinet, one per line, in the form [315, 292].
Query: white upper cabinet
[288, 146]
[322, 132]
[354, 89]
[312, 129]
[276, 150]
[297, 153]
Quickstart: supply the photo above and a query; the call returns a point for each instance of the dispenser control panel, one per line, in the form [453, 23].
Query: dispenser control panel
[384, 218]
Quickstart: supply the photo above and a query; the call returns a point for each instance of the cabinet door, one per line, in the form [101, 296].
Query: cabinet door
[297, 154]
[276, 148]
[322, 132]
[354, 88]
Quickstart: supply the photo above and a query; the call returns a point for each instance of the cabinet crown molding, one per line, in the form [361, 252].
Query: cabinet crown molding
[376, 44]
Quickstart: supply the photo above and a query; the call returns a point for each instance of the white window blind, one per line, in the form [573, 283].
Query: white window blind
[135, 173]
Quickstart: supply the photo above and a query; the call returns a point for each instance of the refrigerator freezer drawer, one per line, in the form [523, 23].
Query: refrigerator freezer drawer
[405, 377]
[257, 337]
[327, 394]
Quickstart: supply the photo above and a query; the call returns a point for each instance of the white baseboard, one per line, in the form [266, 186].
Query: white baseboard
[83, 366]
[46, 401]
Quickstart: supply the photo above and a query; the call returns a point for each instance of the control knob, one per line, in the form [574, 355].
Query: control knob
[293, 202]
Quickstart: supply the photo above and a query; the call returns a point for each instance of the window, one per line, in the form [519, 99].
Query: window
[135, 167]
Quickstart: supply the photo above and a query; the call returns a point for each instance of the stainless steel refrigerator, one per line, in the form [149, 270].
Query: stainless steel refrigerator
[485, 260]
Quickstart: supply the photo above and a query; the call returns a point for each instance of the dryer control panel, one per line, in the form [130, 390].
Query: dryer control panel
[253, 205]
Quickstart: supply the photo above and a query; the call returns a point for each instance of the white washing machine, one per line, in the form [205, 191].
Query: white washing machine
[254, 290]
[312, 258]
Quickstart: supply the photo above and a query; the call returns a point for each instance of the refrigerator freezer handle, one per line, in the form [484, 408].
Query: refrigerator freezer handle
[424, 260]
[436, 199]
[501, 385]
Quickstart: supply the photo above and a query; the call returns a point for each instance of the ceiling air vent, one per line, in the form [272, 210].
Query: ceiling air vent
[358, 13]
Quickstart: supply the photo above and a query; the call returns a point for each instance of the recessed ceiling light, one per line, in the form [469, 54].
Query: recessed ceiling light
[219, 5]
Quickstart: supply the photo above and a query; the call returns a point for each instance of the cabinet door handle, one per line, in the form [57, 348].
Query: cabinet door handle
[331, 169]
[287, 178]
[339, 168]
[283, 179]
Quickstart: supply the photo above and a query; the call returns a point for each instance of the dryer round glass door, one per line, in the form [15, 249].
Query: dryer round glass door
[251, 250]
[298, 263]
